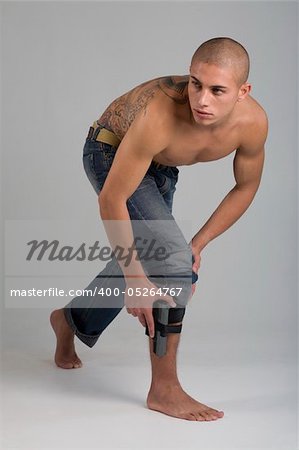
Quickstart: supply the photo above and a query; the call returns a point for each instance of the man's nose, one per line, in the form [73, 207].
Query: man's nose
[203, 99]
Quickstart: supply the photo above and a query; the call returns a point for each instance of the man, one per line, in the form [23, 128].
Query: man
[163, 123]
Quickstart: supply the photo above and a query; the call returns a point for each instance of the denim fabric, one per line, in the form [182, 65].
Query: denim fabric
[152, 201]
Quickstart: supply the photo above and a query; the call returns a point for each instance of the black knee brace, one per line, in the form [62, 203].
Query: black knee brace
[164, 318]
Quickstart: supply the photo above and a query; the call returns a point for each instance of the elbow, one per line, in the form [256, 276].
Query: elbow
[108, 202]
[102, 198]
[108, 198]
[247, 193]
[104, 202]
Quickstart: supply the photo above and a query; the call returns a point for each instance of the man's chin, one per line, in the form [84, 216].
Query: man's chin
[204, 121]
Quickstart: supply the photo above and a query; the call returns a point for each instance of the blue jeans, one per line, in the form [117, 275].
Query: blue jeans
[152, 201]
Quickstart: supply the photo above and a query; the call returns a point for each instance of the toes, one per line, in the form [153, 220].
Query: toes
[199, 418]
[191, 416]
[208, 415]
[204, 415]
[196, 416]
[69, 365]
[216, 412]
[214, 415]
[65, 365]
[77, 364]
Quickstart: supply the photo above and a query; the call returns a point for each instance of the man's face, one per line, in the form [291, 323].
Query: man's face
[213, 93]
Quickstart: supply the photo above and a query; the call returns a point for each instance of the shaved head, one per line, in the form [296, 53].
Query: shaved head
[224, 52]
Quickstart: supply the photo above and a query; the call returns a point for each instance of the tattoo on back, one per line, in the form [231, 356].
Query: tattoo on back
[173, 89]
[121, 112]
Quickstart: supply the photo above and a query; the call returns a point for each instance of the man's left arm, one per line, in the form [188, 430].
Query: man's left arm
[248, 167]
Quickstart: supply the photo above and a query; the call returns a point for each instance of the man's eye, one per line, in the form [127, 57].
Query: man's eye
[195, 84]
[217, 91]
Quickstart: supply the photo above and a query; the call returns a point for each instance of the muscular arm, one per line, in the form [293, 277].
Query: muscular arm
[248, 166]
[146, 137]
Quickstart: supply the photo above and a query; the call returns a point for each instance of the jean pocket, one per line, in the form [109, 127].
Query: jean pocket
[102, 161]
[96, 181]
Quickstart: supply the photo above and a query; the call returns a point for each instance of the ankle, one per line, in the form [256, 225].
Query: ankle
[165, 383]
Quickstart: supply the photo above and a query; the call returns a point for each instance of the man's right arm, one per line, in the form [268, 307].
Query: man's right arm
[146, 137]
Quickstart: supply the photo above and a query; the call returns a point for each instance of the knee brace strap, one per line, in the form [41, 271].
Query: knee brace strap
[165, 329]
[164, 318]
[176, 314]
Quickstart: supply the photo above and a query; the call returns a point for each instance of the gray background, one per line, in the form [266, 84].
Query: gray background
[62, 64]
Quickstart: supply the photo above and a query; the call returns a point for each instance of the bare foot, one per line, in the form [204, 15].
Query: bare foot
[65, 355]
[173, 401]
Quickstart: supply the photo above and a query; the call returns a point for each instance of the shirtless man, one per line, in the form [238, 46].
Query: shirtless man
[176, 121]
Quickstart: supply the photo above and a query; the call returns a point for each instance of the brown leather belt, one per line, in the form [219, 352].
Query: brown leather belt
[101, 134]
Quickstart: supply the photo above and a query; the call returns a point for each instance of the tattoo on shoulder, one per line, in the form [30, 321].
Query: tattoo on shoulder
[174, 89]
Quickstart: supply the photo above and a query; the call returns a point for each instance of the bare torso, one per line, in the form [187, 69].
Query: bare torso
[188, 145]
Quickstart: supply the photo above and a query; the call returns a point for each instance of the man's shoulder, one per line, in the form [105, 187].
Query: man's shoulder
[255, 113]
[255, 126]
[174, 87]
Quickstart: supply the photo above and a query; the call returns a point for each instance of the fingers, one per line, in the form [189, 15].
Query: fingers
[142, 320]
[150, 322]
[196, 264]
[169, 300]
[132, 311]
[142, 307]
[197, 260]
[144, 317]
[146, 302]
[135, 312]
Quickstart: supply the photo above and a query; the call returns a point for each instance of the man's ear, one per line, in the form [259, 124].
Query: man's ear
[244, 91]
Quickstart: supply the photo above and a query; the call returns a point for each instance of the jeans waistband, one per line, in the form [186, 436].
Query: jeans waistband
[99, 133]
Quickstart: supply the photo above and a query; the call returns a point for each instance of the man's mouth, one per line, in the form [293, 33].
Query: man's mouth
[203, 113]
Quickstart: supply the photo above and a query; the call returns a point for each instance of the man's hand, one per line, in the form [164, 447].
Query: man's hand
[139, 298]
[196, 263]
